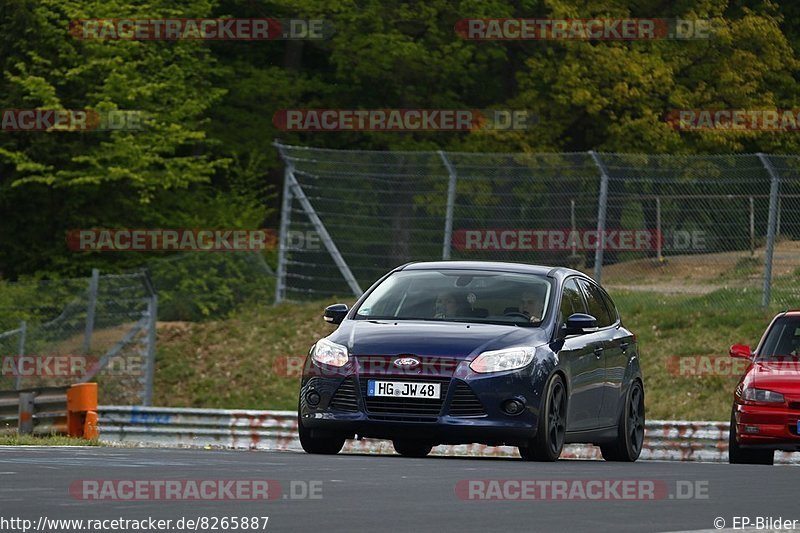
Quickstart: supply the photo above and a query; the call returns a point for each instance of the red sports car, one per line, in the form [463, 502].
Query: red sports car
[766, 405]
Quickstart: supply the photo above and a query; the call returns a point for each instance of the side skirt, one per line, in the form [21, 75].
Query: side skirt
[592, 436]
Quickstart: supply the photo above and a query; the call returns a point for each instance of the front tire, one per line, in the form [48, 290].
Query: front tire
[630, 432]
[410, 448]
[549, 440]
[744, 456]
[321, 443]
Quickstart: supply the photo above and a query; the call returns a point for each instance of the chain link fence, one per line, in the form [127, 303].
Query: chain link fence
[68, 331]
[196, 286]
[655, 224]
[103, 328]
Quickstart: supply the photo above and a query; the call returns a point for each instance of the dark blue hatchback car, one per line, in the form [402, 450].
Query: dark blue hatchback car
[476, 352]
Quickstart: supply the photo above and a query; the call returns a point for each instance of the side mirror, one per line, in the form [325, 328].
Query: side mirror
[580, 323]
[741, 350]
[334, 314]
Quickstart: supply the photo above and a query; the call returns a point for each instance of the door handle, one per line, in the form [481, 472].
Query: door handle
[624, 346]
[598, 351]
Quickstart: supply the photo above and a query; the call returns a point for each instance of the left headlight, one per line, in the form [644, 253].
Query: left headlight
[329, 353]
[500, 360]
[762, 395]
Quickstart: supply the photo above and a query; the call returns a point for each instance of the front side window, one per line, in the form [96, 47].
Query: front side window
[783, 339]
[571, 300]
[594, 302]
[461, 296]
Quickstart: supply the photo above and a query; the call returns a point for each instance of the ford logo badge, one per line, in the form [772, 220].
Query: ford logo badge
[407, 362]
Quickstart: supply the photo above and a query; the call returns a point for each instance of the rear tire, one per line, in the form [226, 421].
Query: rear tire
[630, 432]
[411, 448]
[745, 456]
[321, 443]
[549, 440]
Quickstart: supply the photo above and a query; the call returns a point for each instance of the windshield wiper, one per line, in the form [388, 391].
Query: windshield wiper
[493, 322]
[389, 318]
[462, 320]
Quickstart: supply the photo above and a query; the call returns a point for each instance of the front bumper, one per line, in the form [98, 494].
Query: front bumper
[470, 409]
[762, 426]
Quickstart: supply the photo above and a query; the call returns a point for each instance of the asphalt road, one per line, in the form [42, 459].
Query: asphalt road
[384, 493]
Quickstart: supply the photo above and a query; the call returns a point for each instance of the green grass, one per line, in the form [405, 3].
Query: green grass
[236, 363]
[12, 439]
[744, 268]
[690, 326]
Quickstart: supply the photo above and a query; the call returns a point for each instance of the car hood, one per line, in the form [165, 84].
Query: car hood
[423, 338]
[779, 376]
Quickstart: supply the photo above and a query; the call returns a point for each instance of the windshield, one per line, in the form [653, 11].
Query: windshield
[783, 339]
[460, 296]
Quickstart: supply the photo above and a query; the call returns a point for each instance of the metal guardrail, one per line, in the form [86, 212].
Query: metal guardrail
[41, 411]
[667, 440]
[70, 410]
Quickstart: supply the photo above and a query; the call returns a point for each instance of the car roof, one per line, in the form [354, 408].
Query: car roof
[791, 312]
[520, 268]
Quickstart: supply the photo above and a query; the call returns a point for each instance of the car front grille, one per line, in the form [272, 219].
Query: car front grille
[464, 402]
[345, 397]
[794, 406]
[407, 409]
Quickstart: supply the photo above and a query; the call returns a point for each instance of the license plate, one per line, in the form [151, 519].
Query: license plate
[798, 427]
[403, 389]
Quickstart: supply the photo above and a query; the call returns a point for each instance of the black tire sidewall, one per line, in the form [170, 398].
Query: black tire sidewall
[541, 442]
[631, 454]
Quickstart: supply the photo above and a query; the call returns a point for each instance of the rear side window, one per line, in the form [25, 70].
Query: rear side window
[571, 300]
[594, 301]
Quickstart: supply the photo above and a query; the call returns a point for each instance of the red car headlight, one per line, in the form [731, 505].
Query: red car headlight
[751, 394]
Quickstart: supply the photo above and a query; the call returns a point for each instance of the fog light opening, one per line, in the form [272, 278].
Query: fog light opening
[513, 407]
[312, 398]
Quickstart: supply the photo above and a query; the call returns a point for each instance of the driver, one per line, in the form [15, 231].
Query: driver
[531, 305]
[795, 347]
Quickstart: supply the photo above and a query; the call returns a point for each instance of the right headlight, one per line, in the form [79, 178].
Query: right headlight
[501, 360]
[329, 353]
[762, 395]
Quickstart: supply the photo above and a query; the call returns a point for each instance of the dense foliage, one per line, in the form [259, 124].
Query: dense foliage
[205, 157]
